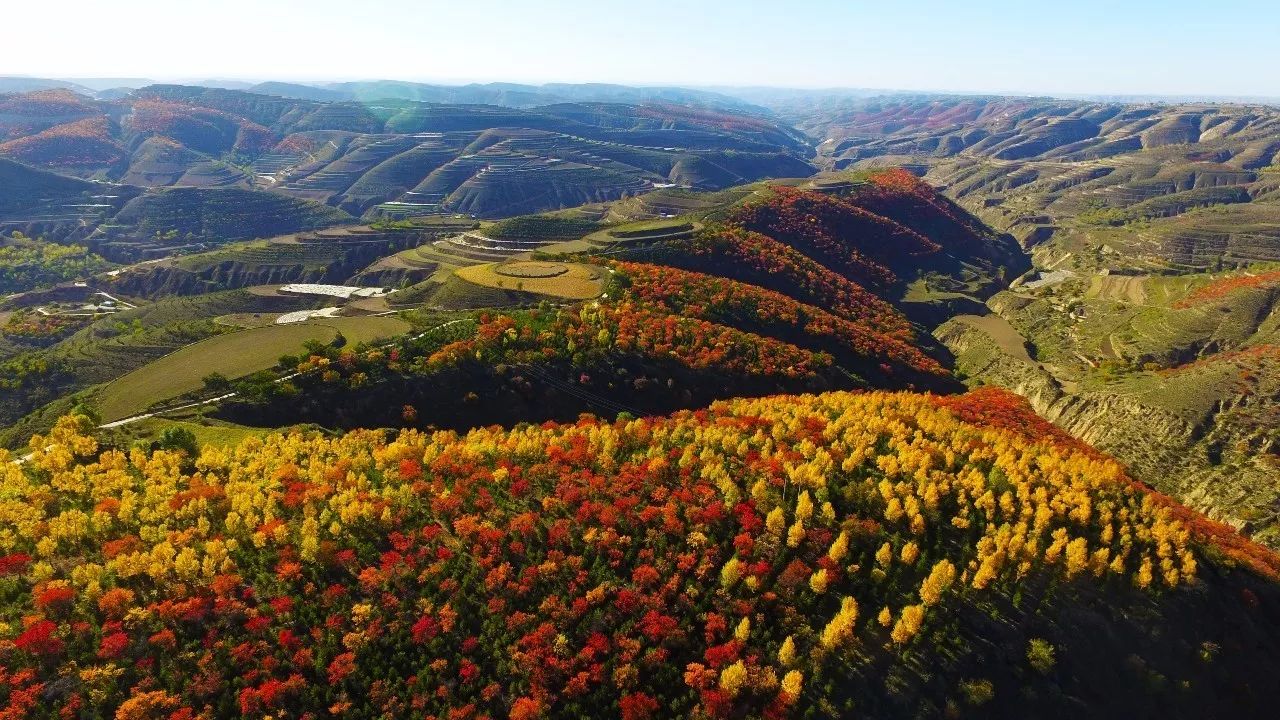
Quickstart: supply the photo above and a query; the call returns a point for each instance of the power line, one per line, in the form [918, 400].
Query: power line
[580, 392]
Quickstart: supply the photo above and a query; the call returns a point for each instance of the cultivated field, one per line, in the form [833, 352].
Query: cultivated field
[999, 329]
[234, 355]
[572, 281]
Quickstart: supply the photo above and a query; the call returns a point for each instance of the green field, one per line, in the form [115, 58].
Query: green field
[1000, 331]
[234, 355]
[207, 431]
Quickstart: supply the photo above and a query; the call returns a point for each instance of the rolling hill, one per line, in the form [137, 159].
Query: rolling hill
[1030, 164]
[697, 451]
[367, 150]
[886, 554]
[689, 312]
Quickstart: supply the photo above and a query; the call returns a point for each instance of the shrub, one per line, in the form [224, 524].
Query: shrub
[1040, 655]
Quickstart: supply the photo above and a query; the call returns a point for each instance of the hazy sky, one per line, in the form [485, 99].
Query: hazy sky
[1230, 47]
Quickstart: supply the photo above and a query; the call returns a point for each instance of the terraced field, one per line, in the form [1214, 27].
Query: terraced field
[1198, 426]
[363, 254]
[629, 235]
[439, 258]
[680, 202]
[41, 203]
[160, 161]
[434, 273]
[1125, 288]
[162, 222]
[396, 158]
[570, 281]
[1139, 320]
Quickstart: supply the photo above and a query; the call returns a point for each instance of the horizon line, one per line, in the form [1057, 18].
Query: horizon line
[321, 83]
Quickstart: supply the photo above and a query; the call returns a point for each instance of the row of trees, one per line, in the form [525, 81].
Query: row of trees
[746, 306]
[837, 231]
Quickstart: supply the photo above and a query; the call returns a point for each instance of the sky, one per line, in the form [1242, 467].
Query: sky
[1101, 47]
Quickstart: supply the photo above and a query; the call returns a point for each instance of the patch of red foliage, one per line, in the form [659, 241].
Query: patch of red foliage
[44, 103]
[900, 181]
[40, 638]
[898, 194]
[201, 128]
[14, 564]
[997, 407]
[1219, 289]
[837, 232]
[295, 143]
[692, 294]
[628, 327]
[784, 268]
[86, 142]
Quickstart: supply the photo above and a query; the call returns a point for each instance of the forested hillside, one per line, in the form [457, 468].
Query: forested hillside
[880, 554]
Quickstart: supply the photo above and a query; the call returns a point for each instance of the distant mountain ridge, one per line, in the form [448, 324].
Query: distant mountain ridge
[495, 93]
[506, 94]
